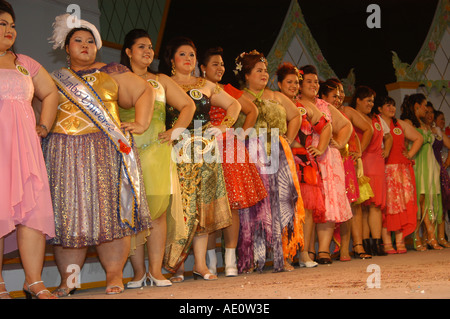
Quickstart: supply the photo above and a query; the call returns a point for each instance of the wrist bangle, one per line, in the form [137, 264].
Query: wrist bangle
[43, 126]
[228, 121]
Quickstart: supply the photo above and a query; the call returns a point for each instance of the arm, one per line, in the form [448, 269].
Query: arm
[414, 136]
[222, 99]
[342, 128]
[45, 90]
[176, 97]
[134, 91]
[293, 118]
[362, 124]
[250, 110]
[388, 140]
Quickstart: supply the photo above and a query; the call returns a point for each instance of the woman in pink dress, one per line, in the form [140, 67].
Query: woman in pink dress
[26, 214]
[374, 168]
[330, 164]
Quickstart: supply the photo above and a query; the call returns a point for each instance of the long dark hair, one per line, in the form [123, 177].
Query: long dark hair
[408, 108]
[5, 7]
[128, 42]
[165, 66]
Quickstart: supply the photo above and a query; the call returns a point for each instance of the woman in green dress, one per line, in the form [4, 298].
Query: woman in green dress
[154, 147]
[427, 173]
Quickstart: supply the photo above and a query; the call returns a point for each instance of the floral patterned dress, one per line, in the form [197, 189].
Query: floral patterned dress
[401, 205]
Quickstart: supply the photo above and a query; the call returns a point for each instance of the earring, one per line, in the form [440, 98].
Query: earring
[173, 69]
[68, 60]
[204, 74]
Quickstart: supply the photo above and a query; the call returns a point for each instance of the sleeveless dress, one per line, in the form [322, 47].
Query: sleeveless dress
[23, 177]
[204, 197]
[84, 170]
[333, 176]
[438, 145]
[308, 172]
[283, 232]
[351, 180]
[158, 169]
[244, 185]
[373, 164]
[401, 204]
[427, 172]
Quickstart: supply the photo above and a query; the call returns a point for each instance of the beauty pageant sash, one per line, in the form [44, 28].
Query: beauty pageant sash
[80, 93]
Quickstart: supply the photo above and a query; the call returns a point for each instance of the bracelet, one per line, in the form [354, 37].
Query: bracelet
[228, 121]
[45, 127]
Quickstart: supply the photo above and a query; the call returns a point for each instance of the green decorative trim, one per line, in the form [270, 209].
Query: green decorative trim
[416, 71]
[295, 24]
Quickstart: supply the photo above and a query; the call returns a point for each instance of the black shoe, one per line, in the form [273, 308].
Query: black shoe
[324, 261]
[367, 245]
[377, 247]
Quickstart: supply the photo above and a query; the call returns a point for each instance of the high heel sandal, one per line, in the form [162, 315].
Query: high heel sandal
[30, 294]
[63, 292]
[418, 244]
[389, 249]
[362, 255]
[444, 243]
[207, 276]
[326, 260]
[4, 294]
[137, 283]
[158, 282]
[401, 248]
[433, 244]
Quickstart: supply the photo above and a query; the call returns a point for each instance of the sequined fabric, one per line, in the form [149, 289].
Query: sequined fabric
[84, 174]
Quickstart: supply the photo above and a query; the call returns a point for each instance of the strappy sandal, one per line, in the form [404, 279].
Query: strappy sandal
[389, 249]
[418, 244]
[362, 255]
[30, 294]
[433, 244]
[4, 294]
[112, 292]
[177, 279]
[401, 248]
[326, 260]
[64, 292]
[444, 243]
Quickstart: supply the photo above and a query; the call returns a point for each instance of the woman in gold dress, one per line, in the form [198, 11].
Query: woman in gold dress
[94, 171]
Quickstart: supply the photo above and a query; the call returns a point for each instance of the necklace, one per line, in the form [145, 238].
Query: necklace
[144, 75]
[3, 54]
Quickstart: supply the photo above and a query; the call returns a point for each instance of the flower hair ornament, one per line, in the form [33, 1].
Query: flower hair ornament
[62, 27]
[241, 56]
[299, 73]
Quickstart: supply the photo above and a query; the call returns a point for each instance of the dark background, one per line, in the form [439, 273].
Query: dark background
[338, 26]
